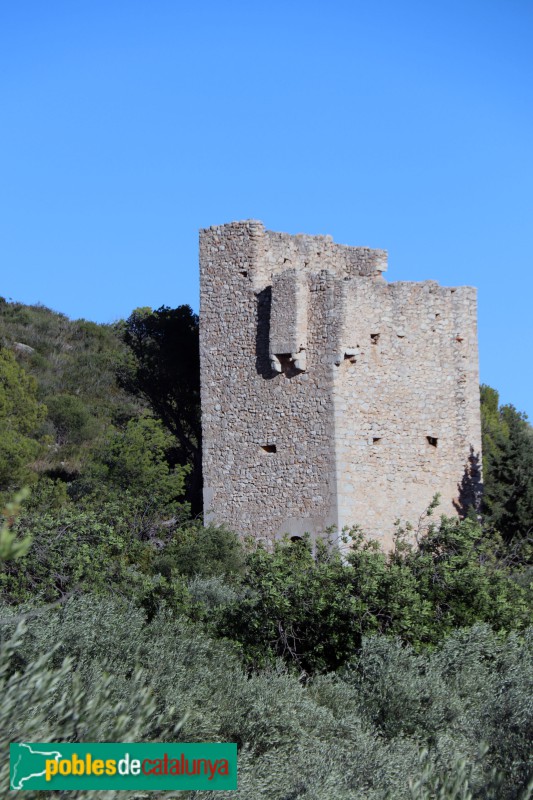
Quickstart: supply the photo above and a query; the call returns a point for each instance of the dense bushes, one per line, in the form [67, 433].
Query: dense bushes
[448, 716]
[115, 543]
[72, 421]
[21, 415]
[73, 366]
[507, 471]
[135, 459]
[358, 734]
[313, 609]
[163, 369]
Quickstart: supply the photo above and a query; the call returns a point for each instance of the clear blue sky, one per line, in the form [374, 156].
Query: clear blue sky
[125, 126]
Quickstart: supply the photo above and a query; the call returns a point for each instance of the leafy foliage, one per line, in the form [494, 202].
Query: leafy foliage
[313, 609]
[71, 419]
[135, 459]
[164, 370]
[117, 546]
[44, 702]
[206, 552]
[21, 415]
[508, 468]
[73, 549]
[394, 724]
[73, 366]
[11, 546]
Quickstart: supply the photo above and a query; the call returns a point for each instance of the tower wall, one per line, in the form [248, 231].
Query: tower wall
[268, 459]
[329, 397]
[406, 403]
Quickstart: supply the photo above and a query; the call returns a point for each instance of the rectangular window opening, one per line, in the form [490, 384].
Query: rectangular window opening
[269, 448]
[432, 441]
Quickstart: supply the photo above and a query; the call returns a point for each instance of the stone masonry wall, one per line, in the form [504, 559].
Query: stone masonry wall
[406, 402]
[329, 397]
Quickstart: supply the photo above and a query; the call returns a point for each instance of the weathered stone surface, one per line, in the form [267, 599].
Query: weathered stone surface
[23, 348]
[329, 396]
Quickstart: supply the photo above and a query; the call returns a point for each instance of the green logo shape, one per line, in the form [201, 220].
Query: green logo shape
[126, 765]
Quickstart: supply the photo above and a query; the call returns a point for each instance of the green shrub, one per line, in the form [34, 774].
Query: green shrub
[116, 542]
[111, 548]
[507, 469]
[313, 609]
[72, 367]
[135, 460]
[72, 420]
[21, 415]
[394, 724]
[205, 551]
[12, 546]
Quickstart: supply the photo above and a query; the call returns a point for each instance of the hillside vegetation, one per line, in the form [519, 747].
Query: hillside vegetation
[370, 677]
[74, 366]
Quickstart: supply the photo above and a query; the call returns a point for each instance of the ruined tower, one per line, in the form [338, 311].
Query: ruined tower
[329, 396]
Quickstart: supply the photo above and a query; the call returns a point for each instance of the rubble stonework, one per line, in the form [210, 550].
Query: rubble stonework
[329, 396]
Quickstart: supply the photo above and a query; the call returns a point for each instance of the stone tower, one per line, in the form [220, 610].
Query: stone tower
[329, 396]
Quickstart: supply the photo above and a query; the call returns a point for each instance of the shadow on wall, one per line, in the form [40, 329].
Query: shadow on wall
[262, 337]
[471, 486]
